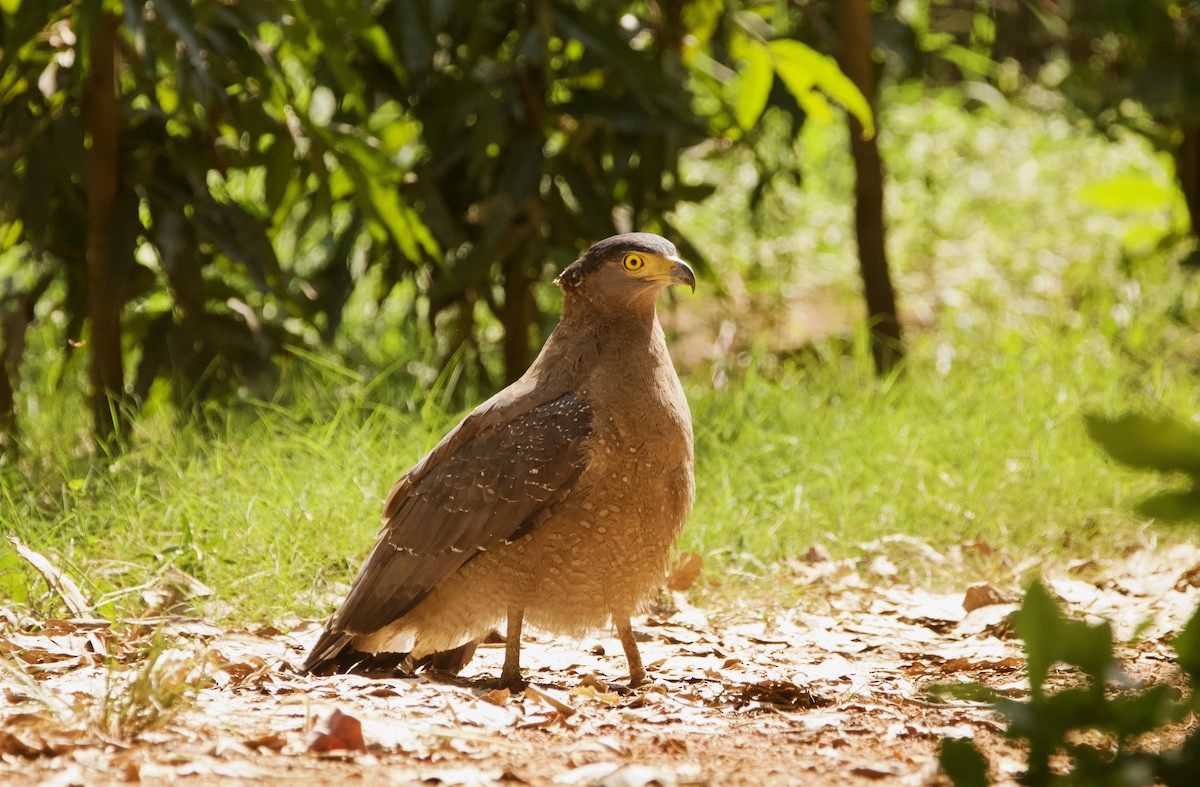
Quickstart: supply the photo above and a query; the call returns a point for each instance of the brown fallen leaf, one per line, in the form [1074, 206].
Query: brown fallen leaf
[816, 554]
[544, 696]
[607, 698]
[1189, 578]
[880, 771]
[1010, 664]
[780, 693]
[686, 572]
[873, 647]
[982, 595]
[498, 697]
[270, 741]
[981, 548]
[672, 745]
[1082, 567]
[21, 746]
[66, 588]
[336, 731]
[541, 721]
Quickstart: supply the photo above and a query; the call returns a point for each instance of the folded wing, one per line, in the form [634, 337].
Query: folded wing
[488, 482]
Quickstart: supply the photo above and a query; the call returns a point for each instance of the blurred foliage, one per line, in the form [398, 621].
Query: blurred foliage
[1051, 724]
[279, 159]
[273, 156]
[1163, 444]
[1126, 64]
[1136, 64]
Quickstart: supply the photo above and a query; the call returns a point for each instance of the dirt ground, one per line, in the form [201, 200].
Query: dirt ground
[831, 691]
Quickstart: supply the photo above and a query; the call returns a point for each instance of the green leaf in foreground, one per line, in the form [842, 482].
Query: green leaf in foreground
[1187, 648]
[1049, 637]
[1057, 727]
[1171, 506]
[963, 763]
[1164, 444]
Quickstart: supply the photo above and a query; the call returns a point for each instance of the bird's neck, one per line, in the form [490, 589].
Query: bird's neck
[585, 336]
[632, 321]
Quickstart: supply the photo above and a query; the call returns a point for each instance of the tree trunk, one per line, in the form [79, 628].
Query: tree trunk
[8, 407]
[15, 318]
[518, 317]
[886, 346]
[105, 285]
[1187, 173]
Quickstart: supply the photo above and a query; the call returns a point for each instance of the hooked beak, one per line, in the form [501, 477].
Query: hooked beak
[681, 273]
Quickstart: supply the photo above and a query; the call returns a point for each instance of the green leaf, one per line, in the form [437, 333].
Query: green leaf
[752, 87]
[1137, 713]
[1187, 647]
[700, 19]
[86, 17]
[1172, 506]
[1130, 192]
[970, 62]
[180, 19]
[1049, 638]
[409, 28]
[646, 83]
[241, 237]
[621, 115]
[1038, 622]
[374, 176]
[804, 70]
[1164, 444]
[973, 692]
[280, 164]
[963, 763]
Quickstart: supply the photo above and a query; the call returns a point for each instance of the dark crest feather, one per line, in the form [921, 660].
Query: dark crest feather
[610, 248]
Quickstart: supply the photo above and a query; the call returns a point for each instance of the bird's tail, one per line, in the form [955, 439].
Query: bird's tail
[335, 653]
[325, 653]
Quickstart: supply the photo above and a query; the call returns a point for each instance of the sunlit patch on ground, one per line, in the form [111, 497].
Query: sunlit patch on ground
[833, 691]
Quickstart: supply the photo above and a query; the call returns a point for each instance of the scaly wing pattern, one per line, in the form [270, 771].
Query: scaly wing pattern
[486, 483]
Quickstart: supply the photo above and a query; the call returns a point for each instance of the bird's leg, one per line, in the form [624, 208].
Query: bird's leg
[510, 675]
[637, 673]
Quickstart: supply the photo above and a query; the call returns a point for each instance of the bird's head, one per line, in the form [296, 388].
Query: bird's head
[629, 270]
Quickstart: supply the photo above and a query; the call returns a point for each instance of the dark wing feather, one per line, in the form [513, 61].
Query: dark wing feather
[483, 485]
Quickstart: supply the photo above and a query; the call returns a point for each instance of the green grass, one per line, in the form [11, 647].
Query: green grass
[1028, 298]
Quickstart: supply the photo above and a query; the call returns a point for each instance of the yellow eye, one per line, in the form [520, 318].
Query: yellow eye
[633, 262]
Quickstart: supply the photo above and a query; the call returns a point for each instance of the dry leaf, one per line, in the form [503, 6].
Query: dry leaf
[816, 554]
[544, 696]
[1189, 578]
[498, 697]
[336, 731]
[272, 741]
[872, 645]
[59, 582]
[982, 595]
[780, 693]
[879, 771]
[686, 572]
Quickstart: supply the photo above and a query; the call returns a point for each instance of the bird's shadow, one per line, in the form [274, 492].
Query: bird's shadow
[487, 683]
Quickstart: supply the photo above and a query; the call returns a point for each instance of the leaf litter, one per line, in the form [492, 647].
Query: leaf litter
[830, 690]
